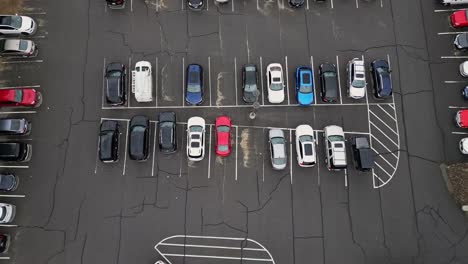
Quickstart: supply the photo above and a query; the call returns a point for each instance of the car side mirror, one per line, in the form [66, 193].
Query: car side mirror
[389, 70]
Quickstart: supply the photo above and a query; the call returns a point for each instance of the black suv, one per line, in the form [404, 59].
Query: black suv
[381, 78]
[115, 83]
[15, 151]
[329, 82]
[109, 141]
[139, 138]
[250, 90]
[8, 182]
[14, 126]
[362, 153]
[167, 132]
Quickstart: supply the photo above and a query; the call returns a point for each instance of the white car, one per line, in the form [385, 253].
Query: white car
[464, 69]
[195, 138]
[464, 146]
[356, 77]
[7, 213]
[275, 83]
[142, 82]
[305, 146]
[14, 25]
[335, 148]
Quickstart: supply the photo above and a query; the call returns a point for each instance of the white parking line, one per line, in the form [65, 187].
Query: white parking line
[183, 81]
[286, 72]
[375, 176]
[391, 129]
[215, 257]
[452, 82]
[331, 4]
[14, 166]
[393, 167]
[460, 133]
[378, 165]
[387, 113]
[6, 258]
[383, 145]
[381, 3]
[454, 57]
[263, 154]
[357, 4]
[13, 195]
[103, 82]
[131, 5]
[20, 87]
[207, 5]
[156, 80]
[261, 79]
[209, 76]
[97, 152]
[346, 177]
[209, 246]
[290, 156]
[232, 5]
[209, 154]
[448, 10]
[339, 81]
[449, 33]
[129, 91]
[183, 4]
[313, 78]
[17, 112]
[26, 61]
[457, 107]
[126, 144]
[154, 148]
[370, 122]
[7, 225]
[235, 76]
[237, 146]
[307, 6]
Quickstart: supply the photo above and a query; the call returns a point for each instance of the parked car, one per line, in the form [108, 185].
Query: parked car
[116, 75]
[167, 132]
[304, 86]
[223, 126]
[459, 19]
[465, 93]
[329, 82]
[17, 48]
[464, 146]
[453, 2]
[4, 243]
[15, 151]
[195, 5]
[20, 97]
[115, 4]
[356, 78]
[277, 149]
[275, 83]
[14, 25]
[335, 148]
[139, 138]
[8, 182]
[461, 118]
[380, 71]
[464, 69]
[305, 146]
[194, 86]
[362, 153]
[14, 126]
[7, 213]
[250, 90]
[296, 3]
[109, 136]
[142, 82]
[222, 1]
[195, 138]
[461, 41]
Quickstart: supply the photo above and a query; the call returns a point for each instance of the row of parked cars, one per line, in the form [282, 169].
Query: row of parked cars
[139, 142]
[142, 88]
[15, 151]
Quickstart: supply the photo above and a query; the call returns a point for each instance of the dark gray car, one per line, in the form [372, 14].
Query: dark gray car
[8, 182]
[167, 132]
[329, 82]
[139, 138]
[249, 84]
[461, 41]
[14, 126]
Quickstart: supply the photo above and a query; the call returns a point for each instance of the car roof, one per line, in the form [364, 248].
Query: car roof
[279, 151]
[108, 125]
[139, 120]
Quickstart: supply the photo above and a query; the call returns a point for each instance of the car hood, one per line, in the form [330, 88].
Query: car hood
[305, 98]
[194, 98]
[29, 96]
[27, 23]
[459, 16]
[462, 40]
[276, 96]
[357, 92]
[7, 182]
[250, 96]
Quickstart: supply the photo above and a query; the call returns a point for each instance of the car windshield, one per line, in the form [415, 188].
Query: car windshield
[23, 45]
[335, 138]
[18, 95]
[196, 129]
[115, 74]
[277, 140]
[329, 74]
[306, 138]
[305, 89]
[223, 147]
[358, 83]
[223, 129]
[276, 87]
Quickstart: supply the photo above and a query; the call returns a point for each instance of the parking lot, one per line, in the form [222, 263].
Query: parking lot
[72, 208]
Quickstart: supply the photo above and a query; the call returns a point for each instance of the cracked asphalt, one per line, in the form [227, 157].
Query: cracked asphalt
[300, 215]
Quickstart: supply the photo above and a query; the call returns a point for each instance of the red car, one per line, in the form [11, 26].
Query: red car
[459, 19]
[20, 97]
[462, 118]
[223, 136]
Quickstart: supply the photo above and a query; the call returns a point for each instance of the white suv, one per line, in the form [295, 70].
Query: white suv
[195, 138]
[305, 146]
[275, 83]
[356, 77]
[335, 153]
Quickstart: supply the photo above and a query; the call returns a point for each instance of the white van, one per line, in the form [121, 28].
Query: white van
[142, 82]
[454, 2]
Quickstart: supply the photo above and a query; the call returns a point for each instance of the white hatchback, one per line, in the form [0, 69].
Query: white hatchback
[305, 146]
[195, 138]
[464, 146]
[275, 83]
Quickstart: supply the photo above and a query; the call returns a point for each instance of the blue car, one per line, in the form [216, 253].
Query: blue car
[194, 84]
[381, 77]
[304, 86]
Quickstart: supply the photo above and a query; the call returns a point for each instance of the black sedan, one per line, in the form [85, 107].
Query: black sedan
[109, 141]
[382, 80]
[329, 82]
[4, 243]
[167, 132]
[14, 126]
[115, 83]
[139, 138]
[250, 90]
[8, 182]
[195, 5]
[296, 3]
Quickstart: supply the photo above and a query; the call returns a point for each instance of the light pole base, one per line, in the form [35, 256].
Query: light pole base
[252, 115]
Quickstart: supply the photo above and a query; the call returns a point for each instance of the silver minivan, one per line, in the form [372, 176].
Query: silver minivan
[277, 149]
[335, 155]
